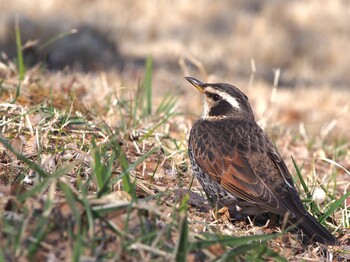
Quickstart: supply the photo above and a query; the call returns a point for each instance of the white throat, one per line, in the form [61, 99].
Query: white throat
[205, 108]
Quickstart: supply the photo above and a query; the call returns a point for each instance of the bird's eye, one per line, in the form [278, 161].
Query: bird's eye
[215, 97]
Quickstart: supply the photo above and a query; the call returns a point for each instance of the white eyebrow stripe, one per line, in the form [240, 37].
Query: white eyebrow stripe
[230, 99]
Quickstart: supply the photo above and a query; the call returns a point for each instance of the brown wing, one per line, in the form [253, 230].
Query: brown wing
[236, 156]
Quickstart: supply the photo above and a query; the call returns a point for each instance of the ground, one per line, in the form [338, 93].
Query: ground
[95, 122]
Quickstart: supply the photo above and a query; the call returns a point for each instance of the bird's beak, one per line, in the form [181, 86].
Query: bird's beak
[196, 83]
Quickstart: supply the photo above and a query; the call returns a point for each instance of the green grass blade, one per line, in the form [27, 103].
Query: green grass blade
[102, 172]
[21, 229]
[230, 241]
[259, 252]
[167, 104]
[40, 230]
[40, 187]
[333, 207]
[182, 246]
[21, 157]
[98, 165]
[77, 248]
[313, 206]
[125, 175]
[57, 37]
[20, 61]
[89, 215]
[236, 251]
[147, 88]
[140, 160]
[135, 105]
[72, 200]
[301, 179]
[18, 92]
[2, 257]
[1, 87]
[161, 122]
[147, 237]
[183, 204]
[38, 235]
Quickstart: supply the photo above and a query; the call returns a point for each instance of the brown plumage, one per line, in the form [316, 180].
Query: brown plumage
[237, 164]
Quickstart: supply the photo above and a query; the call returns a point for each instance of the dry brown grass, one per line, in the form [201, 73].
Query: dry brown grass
[59, 113]
[55, 130]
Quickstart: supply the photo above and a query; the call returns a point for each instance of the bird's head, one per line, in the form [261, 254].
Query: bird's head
[222, 101]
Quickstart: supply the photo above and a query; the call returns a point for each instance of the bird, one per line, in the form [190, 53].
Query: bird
[238, 165]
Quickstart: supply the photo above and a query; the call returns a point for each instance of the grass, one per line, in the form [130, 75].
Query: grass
[78, 187]
[21, 67]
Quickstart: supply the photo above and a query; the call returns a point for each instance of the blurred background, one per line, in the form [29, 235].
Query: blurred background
[231, 41]
[307, 40]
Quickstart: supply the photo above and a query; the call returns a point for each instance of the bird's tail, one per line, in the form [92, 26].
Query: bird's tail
[313, 229]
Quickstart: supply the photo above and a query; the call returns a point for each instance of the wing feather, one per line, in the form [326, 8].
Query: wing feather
[232, 170]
